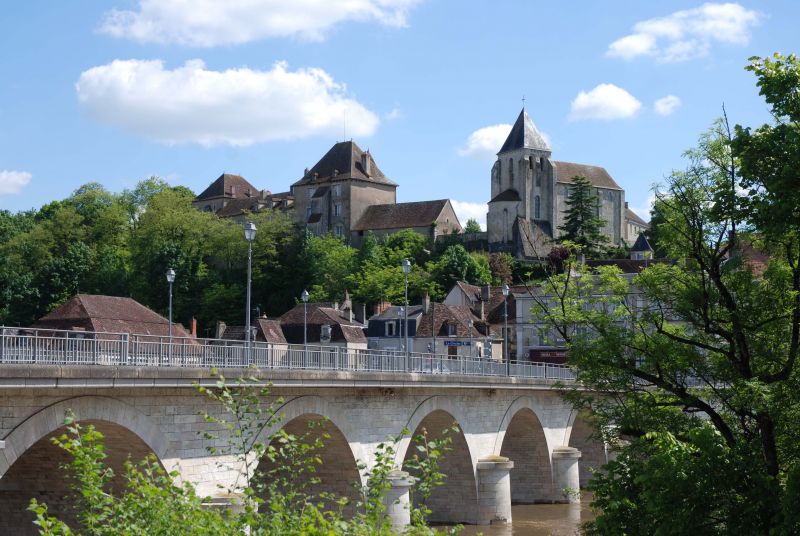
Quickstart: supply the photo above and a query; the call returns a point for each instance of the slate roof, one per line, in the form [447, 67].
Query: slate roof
[524, 135]
[394, 312]
[494, 308]
[439, 316]
[222, 188]
[114, 314]
[632, 216]
[642, 244]
[345, 158]
[234, 207]
[597, 175]
[342, 329]
[401, 215]
[507, 195]
[266, 331]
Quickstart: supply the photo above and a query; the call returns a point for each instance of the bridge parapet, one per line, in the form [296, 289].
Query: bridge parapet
[121, 350]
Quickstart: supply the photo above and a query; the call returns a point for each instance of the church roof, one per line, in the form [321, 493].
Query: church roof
[229, 185]
[598, 176]
[507, 195]
[401, 215]
[524, 135]
[345, 159]
[632, 216]
[642, 244]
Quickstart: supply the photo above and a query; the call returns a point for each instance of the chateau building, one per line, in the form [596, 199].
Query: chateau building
[346, 194]
[231, 196]
[530, 190]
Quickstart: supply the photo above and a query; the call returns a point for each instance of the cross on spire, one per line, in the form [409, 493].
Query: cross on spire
[523, 101]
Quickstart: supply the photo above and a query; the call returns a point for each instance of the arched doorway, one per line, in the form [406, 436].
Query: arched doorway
[37, 473]
[524, 443]
[585, 437]
[337, 474]
[455, 501]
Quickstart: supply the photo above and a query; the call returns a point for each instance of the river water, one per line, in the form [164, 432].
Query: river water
[539, 520]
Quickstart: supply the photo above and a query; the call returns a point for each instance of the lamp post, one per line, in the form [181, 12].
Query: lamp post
[505, 328]
[170, 280]
[304, 297]
[406, 269]
[249, 235]
[470, 323]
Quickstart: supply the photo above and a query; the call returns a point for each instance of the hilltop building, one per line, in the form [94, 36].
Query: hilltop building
[347, 194]
[529, 191]
[232, 196]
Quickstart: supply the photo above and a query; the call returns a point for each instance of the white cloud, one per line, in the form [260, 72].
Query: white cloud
[486, 141]
[666, 105]
[643, 211]
[606, 102]
[687, 34]
[208, 23]
[466, 210]
[12, 182]
[243, 106]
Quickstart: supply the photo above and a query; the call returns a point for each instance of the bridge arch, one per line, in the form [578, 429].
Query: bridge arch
[314, 418]
[456, 500]
[524, 442]
[85, 408]
[34, 463]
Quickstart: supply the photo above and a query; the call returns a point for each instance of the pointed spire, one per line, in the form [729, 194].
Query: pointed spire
[524, 135]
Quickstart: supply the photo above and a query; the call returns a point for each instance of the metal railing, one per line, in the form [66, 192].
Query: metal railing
[59, 347]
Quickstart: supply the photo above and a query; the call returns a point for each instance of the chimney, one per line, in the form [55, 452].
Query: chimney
[194, 327]
[305, 172]
[486, 293]
[362, 313]
[316, 175]
[381, 306]
[220, 329]
[335, 172]
[626, 204]
[365, 163]
[426, 303]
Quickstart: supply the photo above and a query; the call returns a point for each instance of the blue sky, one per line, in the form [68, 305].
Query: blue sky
[117, 91]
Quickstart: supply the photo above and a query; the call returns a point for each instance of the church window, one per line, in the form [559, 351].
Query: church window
[536, 207]
[530, 163]
[511, 172]
[541, 163]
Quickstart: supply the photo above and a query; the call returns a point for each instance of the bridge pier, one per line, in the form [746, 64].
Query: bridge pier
[494, 490]
[397, 500]
[566, 475]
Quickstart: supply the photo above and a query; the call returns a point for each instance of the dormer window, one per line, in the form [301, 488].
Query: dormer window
[451, 329]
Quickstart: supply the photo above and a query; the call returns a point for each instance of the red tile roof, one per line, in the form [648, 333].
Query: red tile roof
[109, 314]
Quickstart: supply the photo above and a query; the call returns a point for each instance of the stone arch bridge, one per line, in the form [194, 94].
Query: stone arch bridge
[158, 410]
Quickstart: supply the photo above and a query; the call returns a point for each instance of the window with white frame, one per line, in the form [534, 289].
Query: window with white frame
[391, 329]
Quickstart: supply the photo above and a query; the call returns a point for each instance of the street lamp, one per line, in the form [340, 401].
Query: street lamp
[470, 323]
[505, 328]
[249, 235]
[304, 297]
[406, 269]
[170, 280]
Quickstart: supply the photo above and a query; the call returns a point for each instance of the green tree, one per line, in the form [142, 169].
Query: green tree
[330, 263]
[472, 226]
[456, 264]
[698, 357]
[582, 224]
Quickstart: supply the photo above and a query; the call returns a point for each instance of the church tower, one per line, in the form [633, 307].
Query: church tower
[523, 192]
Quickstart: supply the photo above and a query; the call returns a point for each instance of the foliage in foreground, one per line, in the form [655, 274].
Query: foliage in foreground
[278, 501]
[697, 359]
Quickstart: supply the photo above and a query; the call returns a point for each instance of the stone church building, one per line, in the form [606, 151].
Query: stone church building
[530, 190]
